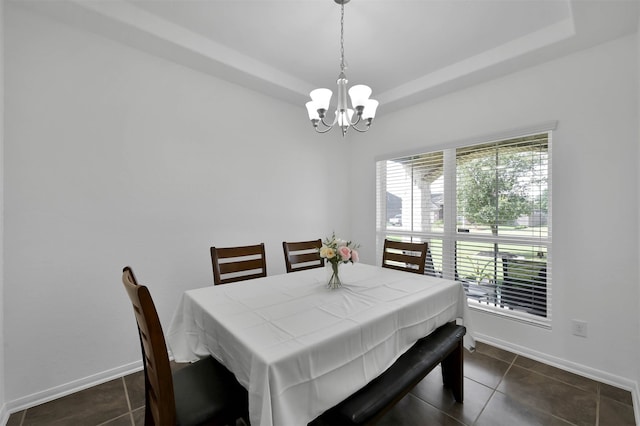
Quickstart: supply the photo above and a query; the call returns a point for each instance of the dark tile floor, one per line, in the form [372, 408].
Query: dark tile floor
[501, 388]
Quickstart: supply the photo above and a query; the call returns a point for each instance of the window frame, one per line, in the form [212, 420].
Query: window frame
[450, 235]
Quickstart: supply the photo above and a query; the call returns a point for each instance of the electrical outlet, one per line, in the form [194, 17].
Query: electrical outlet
[579, 328]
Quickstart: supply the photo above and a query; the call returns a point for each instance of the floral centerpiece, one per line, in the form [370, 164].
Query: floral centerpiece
[336, 252]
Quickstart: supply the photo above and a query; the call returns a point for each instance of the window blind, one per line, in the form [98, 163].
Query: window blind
[485, 211]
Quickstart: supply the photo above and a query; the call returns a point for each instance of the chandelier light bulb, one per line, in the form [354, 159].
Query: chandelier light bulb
[370, 107]
[312, 110]
[322, 99]
[359, 95]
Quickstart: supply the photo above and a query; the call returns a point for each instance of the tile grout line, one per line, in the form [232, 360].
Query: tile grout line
[575, 386]
[128, 413]
[24, 415]
[513, 361]
[449, 415]
[115, 418]
[126, 395]
[549, 377]
[435, 408]
[494, 390]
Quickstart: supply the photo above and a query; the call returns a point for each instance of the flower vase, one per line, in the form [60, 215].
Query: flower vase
[333, 277]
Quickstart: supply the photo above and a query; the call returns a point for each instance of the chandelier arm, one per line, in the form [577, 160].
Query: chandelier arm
[335, 120]
[353, 126]
[326, 128]
[322, 131]
[367, 121]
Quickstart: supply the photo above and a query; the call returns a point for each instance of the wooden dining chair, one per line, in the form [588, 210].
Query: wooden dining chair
[231, 264]
[202, 392]
[409, 257]
[302, 255]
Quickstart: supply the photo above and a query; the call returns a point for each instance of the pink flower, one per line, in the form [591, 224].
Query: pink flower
[354, 256]
[345, 253]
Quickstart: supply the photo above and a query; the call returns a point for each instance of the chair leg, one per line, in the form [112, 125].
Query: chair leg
[453, 373]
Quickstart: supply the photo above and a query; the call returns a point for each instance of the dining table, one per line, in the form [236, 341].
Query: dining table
[298, 347]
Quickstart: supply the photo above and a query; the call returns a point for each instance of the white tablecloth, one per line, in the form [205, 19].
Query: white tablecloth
[300, 348]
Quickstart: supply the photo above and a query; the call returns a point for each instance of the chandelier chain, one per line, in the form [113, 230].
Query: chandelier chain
[342, 38]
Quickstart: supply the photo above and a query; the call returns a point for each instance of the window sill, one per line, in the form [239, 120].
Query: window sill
[509, 314]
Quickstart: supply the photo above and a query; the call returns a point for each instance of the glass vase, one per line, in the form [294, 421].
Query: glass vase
[333, 275]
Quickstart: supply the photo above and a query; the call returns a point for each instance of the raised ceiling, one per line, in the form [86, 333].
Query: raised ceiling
[407, 50]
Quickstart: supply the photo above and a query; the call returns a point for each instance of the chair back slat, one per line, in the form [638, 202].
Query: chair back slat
[232, 264]
[241, 265]
[403, 256]
[304, 258]
[301, 255]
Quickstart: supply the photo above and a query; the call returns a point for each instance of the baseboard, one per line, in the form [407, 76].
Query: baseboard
[572, 367]
[68, 388]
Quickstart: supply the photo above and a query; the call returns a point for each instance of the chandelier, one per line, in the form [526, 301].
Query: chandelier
[365, 108]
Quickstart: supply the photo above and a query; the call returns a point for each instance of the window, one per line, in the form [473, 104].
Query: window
[485, 211]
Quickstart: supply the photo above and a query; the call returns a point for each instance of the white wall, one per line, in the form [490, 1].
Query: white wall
[637, 407]
[2, 364]
[594, 96]
[114, 158]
